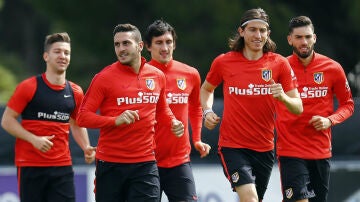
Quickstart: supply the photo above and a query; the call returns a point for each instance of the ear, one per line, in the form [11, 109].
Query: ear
[315, 38]
[289, 40]
[45, 56]
[148, 48]
[141, 46]
[240, 31]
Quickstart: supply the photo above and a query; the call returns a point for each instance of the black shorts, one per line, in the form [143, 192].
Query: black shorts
[130, 182]
[178, 183]
[304, 179]
[245, 166]
[55, 184]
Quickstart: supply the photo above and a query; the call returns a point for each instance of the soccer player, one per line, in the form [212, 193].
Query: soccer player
[304, 141]
[130, 96]
[47, 105]
[254, 78]
[183, 96]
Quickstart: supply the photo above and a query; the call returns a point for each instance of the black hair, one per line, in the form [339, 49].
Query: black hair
[300, 21]
[158, 28]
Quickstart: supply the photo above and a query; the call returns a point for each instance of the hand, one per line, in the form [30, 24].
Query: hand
[320, 123]
[211, 120]
[43, 143]
[177, 127]
[276, 90]
[127, 117]
[202, 148]
[89, 154]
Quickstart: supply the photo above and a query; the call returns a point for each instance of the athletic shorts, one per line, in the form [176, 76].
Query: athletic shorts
[178, 183]
[55, 184]
[130, 182]
[304, 179]
[245, 166]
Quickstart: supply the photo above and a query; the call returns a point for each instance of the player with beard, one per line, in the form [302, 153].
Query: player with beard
[304, 141]
[130, 96]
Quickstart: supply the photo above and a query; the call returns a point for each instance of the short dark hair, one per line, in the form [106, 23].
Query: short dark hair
[300, 21]
[158, 28]
[236, 43]
[56, 37]
[128, 28]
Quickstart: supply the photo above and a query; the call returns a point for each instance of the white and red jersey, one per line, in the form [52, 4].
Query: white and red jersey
[249, 107]
[319, 82]
[116, 89]
[44, 120]
[183, 96]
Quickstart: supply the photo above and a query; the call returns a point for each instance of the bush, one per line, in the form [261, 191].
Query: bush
[7, 84]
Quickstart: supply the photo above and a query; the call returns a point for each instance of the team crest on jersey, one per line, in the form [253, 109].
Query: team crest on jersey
[266, 74]
[150, 84]
[181, 83]
[289, 193]
[235, 177]
[318, 77]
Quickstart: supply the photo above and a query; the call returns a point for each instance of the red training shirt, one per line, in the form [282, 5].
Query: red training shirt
[318, 83]
[25, 153]
[112, 91]
[183, 96]
[249, 107]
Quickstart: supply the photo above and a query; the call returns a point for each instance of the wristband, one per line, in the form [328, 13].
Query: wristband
[206, 111]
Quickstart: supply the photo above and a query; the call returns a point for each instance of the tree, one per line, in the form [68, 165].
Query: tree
[7, 85]
[203, 29]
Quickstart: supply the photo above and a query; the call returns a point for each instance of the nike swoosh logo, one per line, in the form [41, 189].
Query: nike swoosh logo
[66, 96]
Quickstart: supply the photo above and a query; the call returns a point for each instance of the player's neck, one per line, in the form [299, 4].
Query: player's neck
[252, 55]
[55, 79]
[136, 65]
[306, 61]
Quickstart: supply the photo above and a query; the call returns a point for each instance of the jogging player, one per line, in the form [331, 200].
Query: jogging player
[254, 78]
[304, 141]
[47, 105]
[183, 96]
[129, 95]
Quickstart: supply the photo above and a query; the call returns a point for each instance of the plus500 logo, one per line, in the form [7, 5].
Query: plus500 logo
[252, 90]
[314, 92]
[177, 98]
[143, 98]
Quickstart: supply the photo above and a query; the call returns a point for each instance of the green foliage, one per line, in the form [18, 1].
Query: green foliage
[14, 64]
[7, 84]
[203, 28]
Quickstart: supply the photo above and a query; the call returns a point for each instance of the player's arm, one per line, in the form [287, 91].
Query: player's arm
[81, 137]
[87, 114]
[344, 97]
[195, 117]
[293, 102]
[207, 101]
[11, 125]
[291, 99]
[345, 107]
